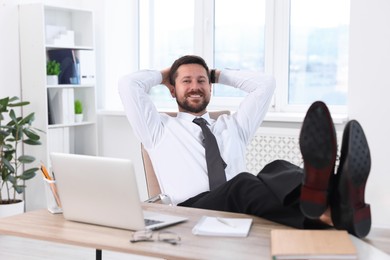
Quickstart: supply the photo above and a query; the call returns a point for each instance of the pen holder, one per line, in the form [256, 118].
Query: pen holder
[52, 197]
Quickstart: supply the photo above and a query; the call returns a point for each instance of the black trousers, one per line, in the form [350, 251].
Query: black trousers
[272, 194]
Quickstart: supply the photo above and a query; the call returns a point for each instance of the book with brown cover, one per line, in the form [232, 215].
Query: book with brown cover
[311, 244]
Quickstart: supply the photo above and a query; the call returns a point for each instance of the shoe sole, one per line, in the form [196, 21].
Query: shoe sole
[349, 210]
[318, 147]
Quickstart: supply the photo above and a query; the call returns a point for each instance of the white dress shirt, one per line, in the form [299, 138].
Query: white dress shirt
[175, 145]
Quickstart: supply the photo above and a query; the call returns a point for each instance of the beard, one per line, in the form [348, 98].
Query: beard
[193, 107]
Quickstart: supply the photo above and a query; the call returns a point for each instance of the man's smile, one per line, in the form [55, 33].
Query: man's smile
[195, 95]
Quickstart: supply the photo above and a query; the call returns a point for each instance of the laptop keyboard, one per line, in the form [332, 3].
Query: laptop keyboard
[149, 222]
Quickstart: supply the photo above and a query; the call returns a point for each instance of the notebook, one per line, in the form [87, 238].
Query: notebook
[103, 191]
[217, 226]
[311, 244]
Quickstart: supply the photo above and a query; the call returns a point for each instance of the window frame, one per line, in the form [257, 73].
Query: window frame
[277, 32]
[276, 61]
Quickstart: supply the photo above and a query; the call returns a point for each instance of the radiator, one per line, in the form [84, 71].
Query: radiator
[271, 144]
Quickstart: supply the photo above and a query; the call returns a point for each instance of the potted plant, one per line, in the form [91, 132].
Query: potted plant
[78, 110]
[13, 171]
[53, 69]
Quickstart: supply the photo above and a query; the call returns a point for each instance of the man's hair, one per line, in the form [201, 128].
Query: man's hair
[187, 59]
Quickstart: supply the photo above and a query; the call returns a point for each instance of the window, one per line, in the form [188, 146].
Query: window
[238, 38]
[318, 57]
[303, 43]
[166, 33]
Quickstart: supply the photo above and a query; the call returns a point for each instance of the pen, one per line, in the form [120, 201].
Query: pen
[45, 172]
[53, 188]
[51, 184]
[227, 223]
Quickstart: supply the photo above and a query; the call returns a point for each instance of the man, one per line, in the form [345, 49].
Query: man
[176, 146]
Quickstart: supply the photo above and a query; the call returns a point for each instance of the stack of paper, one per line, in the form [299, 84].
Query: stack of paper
[216, 226]
[311, 244]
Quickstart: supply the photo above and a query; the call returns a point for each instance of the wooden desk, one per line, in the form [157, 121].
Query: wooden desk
[42, 225]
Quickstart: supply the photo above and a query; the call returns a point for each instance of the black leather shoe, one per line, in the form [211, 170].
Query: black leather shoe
[318, 145]
[348, 208]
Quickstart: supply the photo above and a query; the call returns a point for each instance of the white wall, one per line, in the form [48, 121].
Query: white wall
[368, 96]
[369, 92]
[9, 49]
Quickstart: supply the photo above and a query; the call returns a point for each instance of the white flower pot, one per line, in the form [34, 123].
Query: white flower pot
[78, 118]
[7, 210]
[52, 80]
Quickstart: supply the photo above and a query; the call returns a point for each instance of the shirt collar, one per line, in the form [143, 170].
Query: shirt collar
[190, 117]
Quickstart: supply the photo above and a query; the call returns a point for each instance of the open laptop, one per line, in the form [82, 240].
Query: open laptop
[103, 191]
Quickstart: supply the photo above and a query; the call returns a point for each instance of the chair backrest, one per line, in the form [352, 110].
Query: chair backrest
[150, 176]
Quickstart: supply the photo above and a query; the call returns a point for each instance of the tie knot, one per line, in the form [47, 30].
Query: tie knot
[200, 121]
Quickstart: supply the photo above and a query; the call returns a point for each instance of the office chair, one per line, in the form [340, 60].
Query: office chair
[153, 187]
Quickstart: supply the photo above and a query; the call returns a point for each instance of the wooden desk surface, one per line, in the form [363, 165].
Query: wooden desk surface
[43, 225]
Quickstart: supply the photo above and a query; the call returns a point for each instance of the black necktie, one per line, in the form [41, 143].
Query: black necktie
[215, 164]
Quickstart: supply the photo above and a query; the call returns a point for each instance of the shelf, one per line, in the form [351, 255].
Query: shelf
[71, 125]
[76, 47]
[75, 86]
[45, 30]
[78, 22]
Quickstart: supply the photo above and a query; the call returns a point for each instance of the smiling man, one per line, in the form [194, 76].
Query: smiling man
[200, 162]
[175, 144]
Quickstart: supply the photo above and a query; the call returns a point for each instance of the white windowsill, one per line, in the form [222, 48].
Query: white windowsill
[289, 117]
[282, 117]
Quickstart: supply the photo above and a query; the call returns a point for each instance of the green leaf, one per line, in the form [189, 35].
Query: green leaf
[11, 102]
[32, 142]
[12, 179]
[4, 133]
[11, 124]
[11, 140]
[19, 104]
[28, 174]
[26, 159]
[28, 119]
[8, 152]
[12, 99]
[5, 174]
[17, 133]
[12, 115]
[4, 104]
[19, 188]
[8, 165]
[31, 134]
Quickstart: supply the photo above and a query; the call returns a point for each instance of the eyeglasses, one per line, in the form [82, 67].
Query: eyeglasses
[150, 236]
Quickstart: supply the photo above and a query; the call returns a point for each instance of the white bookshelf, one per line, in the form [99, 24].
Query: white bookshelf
[39, 23]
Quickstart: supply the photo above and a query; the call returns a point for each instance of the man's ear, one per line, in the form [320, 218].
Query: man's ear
[173, 94]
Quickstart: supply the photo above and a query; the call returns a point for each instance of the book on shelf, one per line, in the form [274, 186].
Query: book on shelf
[311, 244]
[221, 226]
[86, 61]
[61, 105]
